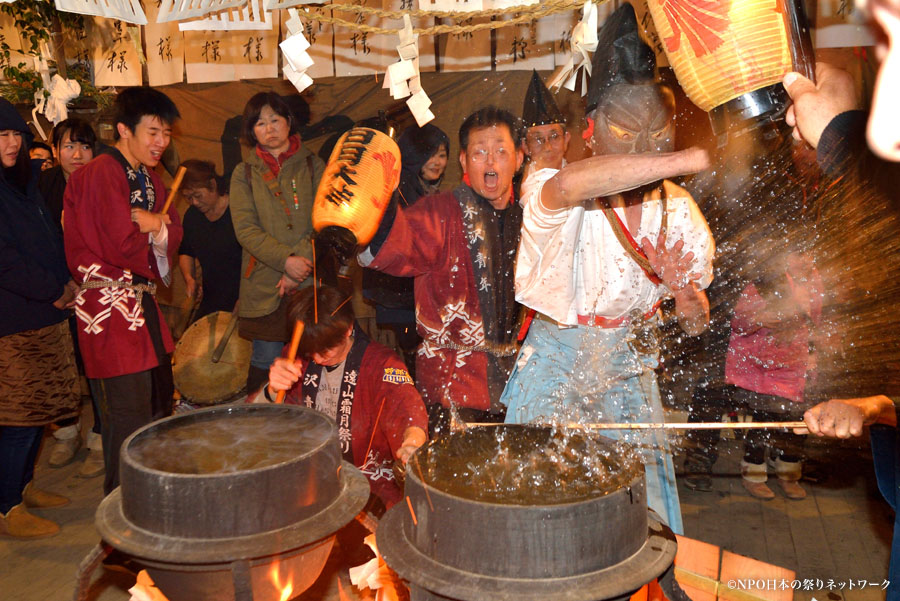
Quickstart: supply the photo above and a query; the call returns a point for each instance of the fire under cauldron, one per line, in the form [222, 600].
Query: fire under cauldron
[548, 541]
[232, 503]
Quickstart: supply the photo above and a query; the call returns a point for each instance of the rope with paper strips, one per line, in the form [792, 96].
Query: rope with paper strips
[525, 14]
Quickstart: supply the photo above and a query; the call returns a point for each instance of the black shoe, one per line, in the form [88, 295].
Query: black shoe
[698, 473]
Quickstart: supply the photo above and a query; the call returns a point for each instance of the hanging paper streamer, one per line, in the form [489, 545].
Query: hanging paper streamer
[526, 46]
[402, 78]
[320, 37]
[115, 60]
[294, 48]
[258, 56]
[165, 50]
[252, 17]
[129, 11]
[210, 56]
[178, 10]
[584, 41]
[467, 50]
[358, 52]
[282, 4]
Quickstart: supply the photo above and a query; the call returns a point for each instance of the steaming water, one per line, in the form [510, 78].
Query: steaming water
[522, 465]
[230, 443]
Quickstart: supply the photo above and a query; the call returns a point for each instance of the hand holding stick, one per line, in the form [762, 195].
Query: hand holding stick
[292, 354]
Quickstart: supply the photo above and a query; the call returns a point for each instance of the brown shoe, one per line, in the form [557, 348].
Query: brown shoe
[792, 489]
[20, 524]
[93, 465]
[760, 490]
[34, 497]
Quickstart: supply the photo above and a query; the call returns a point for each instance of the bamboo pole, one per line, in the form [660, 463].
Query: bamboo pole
[666, 426]
[292, 353]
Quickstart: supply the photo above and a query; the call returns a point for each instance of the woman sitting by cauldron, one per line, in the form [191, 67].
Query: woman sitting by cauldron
[359, 383]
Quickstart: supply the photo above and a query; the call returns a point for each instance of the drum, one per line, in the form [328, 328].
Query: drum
[200, 379]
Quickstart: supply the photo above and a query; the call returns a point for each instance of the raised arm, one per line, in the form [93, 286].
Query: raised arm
[610, 174]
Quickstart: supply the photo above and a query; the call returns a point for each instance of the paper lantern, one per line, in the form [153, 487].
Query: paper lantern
[362, 174]
[723, 50]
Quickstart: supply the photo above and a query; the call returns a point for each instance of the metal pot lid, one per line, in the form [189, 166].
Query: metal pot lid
[651, 560]
[119, 532]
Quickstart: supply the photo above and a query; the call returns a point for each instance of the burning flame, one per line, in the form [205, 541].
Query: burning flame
[285, 589]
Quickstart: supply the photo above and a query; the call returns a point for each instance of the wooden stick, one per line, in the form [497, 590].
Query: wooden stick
[667, 426]
[173, 192]
[292, 353]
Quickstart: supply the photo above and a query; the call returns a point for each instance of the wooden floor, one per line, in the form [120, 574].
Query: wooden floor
[841, 532]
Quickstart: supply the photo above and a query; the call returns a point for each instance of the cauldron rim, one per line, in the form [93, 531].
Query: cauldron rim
[410, 472]
[127, 456]
[431, 488]
[652, 559]
[118, 531]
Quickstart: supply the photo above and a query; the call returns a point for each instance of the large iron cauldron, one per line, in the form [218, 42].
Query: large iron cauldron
[450, 545]
[210, 523]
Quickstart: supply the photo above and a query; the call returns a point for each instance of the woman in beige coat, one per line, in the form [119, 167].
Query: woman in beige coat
[271, 203]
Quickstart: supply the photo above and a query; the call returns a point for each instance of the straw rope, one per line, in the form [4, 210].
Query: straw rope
[524, 14]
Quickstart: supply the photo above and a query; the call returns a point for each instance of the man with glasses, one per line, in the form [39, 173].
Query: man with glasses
[460, 247]
[546, 138]
[604, 241]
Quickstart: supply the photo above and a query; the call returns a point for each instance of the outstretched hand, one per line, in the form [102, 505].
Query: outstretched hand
[671, 264]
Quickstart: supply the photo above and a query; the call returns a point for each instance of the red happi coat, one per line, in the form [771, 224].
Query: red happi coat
[384, 404]
[439, 243]
[102, 242]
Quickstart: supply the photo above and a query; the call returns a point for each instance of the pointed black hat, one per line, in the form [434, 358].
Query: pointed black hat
[621, 56]
[539, 107]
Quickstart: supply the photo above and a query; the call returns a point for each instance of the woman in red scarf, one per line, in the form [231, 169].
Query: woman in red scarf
[271, 203]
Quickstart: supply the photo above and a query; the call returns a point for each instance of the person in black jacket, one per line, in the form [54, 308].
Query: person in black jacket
[38, 377]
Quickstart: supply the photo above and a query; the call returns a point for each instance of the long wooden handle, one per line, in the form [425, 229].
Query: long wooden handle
[229, 330]
[173, 192]
[669, 426]
[292, 353]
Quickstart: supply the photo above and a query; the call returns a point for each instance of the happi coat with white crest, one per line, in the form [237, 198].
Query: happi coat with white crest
[376, 403]
[572, 268]
[103, 243]
[461, 252]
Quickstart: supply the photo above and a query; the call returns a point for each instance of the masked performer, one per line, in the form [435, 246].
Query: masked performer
[595, 262]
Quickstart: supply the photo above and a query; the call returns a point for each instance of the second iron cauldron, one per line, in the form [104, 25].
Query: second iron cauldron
[523, 513]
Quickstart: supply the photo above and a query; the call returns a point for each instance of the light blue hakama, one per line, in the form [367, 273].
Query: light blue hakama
[592, 374]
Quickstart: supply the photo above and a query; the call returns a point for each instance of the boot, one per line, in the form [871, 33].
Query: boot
[789, 473]
[256, 377]
[93, 464]
[18, 523]
[34, 497]
[68, 441]
[753, 477]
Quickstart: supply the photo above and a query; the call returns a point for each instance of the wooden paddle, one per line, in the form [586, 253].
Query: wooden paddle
[292, 353]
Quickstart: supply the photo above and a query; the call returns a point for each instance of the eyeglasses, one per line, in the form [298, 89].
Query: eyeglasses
[554, 139]
[481, 155]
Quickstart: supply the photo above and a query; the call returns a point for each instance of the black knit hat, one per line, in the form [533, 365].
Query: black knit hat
[621, 57]
[539, 107]
[11, 119]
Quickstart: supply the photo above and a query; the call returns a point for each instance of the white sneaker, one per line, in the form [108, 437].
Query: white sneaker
[93, 464]
[63, 452]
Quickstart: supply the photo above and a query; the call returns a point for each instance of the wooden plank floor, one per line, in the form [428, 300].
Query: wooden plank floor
[842, 531]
